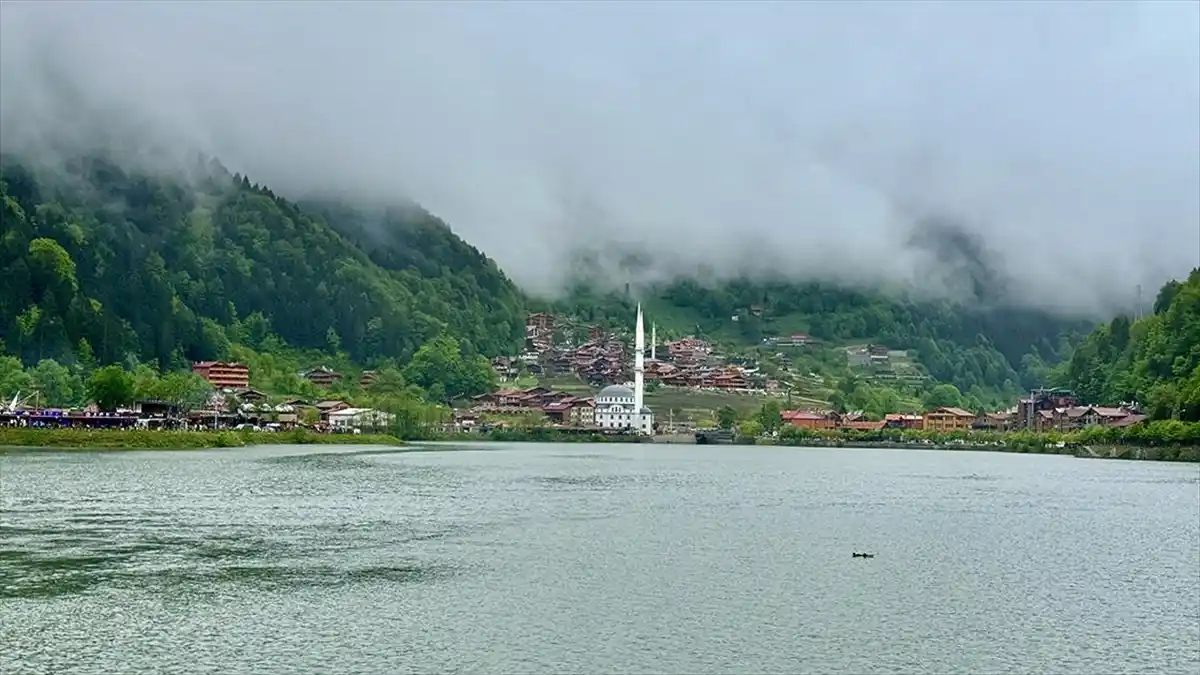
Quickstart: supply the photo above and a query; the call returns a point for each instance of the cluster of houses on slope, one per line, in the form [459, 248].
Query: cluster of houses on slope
[604, 359]
[1046, 410]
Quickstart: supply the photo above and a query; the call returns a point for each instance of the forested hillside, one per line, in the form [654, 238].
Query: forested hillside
[1155, 360]
[996, 349]
[100, 263]
[106, 262]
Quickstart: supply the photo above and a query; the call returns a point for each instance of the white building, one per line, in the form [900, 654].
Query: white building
[618, 406]
[359, 418]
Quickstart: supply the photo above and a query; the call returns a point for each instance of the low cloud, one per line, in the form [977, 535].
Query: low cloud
[1049, 149]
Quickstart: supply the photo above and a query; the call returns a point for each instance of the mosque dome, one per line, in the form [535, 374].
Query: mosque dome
[615, 391]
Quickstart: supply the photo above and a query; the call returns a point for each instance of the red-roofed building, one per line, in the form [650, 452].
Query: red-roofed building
[807, 420]
[863, 425]
[223, 375]
[898, 421]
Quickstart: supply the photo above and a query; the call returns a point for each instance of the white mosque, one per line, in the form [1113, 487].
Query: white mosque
[618, 407]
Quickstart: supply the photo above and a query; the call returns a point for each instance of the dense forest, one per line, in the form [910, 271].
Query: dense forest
[107, 263]
[1154, 360]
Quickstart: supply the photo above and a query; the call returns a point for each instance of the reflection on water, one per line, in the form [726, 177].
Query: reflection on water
[596, 559]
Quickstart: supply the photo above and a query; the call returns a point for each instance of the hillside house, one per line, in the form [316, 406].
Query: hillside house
[324, 408]
[540, 321]
[252, 396]
[725, 378]
[507, 368]
[688, 350]
[223, 375]
[322, 376]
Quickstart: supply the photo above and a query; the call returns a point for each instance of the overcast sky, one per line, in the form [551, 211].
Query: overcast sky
[803, 138]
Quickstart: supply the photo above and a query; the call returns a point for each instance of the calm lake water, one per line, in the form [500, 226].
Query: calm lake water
[596, 558]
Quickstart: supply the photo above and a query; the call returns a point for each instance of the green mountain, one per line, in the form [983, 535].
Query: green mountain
[108, 262]
[155, 266]
[1154, 360]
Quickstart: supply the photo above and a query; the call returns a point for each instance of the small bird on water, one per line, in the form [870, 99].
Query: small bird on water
[862, 555]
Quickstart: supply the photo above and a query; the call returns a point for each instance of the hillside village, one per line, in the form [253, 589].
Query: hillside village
[558, 350]
[694, 364]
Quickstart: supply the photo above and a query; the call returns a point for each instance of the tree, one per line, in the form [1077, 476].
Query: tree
[255, 329]
[726, 417]
[52, 266]
[944, 396]
[750, 429]
[388, 381]
[13, 378]
[838, 401]
[57, 385]
[769, 417]
[333, 342]
[110, 387]
[184, 389]
[1154, 360]
[86, 357]
[440, 369]
[145, 382]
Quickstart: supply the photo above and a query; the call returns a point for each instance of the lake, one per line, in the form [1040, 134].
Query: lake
[531, 558]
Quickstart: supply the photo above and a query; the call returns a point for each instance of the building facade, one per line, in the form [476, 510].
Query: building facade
[323, 376]
[948, 419]
[223, 375]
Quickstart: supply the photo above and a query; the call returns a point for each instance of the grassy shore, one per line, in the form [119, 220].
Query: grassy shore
[76, 439]
[82, 439]
[1132, 452]
[538, 435]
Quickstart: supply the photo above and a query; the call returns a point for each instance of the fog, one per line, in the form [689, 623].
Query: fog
[1049, 148]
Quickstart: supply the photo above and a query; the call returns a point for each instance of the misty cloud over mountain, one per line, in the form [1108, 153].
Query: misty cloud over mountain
[1047, 150]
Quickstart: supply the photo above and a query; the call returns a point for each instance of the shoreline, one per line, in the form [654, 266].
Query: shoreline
[141, 440]
[84, 440]
[1186, 454]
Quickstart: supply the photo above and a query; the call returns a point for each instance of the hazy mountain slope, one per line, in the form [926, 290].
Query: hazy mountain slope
[1154, 360]
[152, 265]
[991, 347]
[146, 264]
